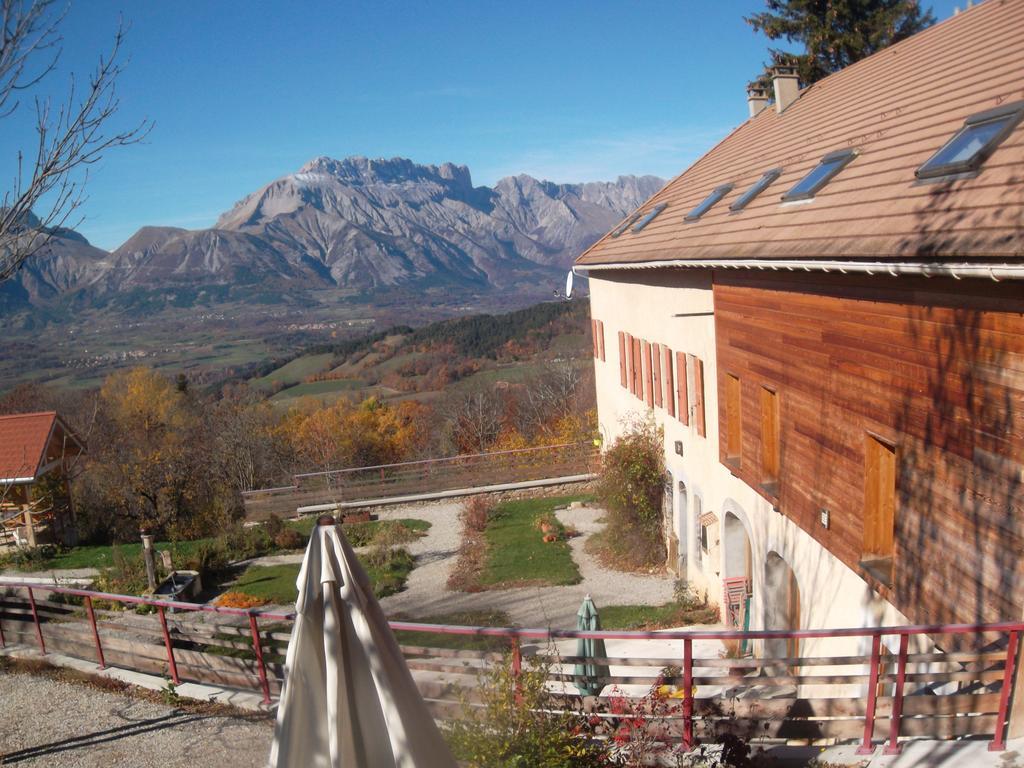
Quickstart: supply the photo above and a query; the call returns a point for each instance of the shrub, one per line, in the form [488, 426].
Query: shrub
[520, 724]
[273, 526]
[31, 558]
[476, 512]
[240, 600]
[289, 538]
[631, 490]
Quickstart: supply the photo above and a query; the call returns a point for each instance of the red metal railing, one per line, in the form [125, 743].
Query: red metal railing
[516, 635]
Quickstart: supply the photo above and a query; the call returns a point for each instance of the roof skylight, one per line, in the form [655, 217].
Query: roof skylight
[972, 144]
[756, 189]
[650, 216]
[717, 194]
[626, 224]
[820, 175]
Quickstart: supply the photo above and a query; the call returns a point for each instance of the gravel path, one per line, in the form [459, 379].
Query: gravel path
[92, 728]
[427, 594]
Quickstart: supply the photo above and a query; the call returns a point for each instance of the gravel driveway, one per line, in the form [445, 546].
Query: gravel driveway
[53, 724]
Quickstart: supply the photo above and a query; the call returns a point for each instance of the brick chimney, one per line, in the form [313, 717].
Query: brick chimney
[786, 85]
[757, 98]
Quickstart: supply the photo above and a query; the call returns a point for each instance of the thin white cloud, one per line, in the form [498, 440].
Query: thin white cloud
[601, 158]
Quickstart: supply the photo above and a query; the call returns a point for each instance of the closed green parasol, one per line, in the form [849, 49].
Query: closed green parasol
[585, 674]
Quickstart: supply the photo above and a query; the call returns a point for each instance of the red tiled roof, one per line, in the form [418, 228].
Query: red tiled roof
[23, 439]
[897, 107]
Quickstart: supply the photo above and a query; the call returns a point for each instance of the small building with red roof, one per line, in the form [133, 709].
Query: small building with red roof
[36, 454]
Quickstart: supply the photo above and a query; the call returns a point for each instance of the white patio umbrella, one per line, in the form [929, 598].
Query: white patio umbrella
[349, 700]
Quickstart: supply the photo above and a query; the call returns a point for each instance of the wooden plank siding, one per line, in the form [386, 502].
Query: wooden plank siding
[933, 368]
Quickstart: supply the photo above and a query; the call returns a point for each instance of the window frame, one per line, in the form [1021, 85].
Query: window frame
[649, 216]
[1013, 113]
[625, 224]
[839, 159]
[754, 191]
[709, 202]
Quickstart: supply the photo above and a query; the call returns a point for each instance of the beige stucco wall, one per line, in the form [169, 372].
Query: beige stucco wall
[831, 594]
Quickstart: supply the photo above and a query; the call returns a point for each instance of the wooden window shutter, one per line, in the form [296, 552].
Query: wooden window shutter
[669, 383]
[638, 387]
[698, 396]
[600, 339]
[682, 395]
[593, 337]
[622, 359]
[656, 373]
[648, 393]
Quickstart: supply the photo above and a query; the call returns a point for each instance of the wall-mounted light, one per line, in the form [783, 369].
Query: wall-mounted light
[679, 447]
[824, 517]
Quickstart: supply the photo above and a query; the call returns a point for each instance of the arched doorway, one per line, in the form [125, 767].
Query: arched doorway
[737, 572]
[781, 605]
[680, 527]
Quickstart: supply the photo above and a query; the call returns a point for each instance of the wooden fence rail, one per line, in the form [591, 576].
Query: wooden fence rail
[349, 486]
[868, 697]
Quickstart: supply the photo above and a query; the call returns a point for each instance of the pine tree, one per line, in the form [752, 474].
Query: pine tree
[835, 33]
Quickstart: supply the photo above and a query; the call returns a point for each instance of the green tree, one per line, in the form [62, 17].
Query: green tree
[835, 33]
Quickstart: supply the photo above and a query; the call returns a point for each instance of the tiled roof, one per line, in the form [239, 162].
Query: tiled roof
[23, 439]
[897, 108]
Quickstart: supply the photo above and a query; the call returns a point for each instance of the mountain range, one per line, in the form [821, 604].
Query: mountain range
[359, 224]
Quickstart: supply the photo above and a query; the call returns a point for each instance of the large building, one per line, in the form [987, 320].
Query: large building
[825, 314]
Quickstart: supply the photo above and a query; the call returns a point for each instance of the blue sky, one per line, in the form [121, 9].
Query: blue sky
[242, 93]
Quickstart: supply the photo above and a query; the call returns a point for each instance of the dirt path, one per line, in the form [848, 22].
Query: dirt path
[426, 591]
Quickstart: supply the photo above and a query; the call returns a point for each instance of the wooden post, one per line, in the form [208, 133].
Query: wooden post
[30, 530]
[147, 556]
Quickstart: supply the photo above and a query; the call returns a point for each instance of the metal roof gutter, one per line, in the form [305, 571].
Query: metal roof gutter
[997, 272]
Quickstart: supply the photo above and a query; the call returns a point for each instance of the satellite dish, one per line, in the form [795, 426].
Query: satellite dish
[568, 285]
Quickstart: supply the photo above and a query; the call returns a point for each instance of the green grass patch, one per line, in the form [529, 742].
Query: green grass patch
[677, 613]
[276, 583]
[295, 371]
[517, 553]
[363, 534]
[317, 388]
[457, 642]
[102, 556]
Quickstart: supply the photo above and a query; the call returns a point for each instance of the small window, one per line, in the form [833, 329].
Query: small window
[650, 216]
[973, 143]
[758, 187]
[626, 224]
[710, 200]
[820, 175]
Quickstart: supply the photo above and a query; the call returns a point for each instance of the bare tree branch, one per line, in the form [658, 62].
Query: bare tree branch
[71, 135]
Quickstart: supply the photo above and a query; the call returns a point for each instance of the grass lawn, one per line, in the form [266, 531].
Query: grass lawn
[458, 642]
[649, 617]
[102, 556]
[361, 534]
[276, 583]
[517, 552]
